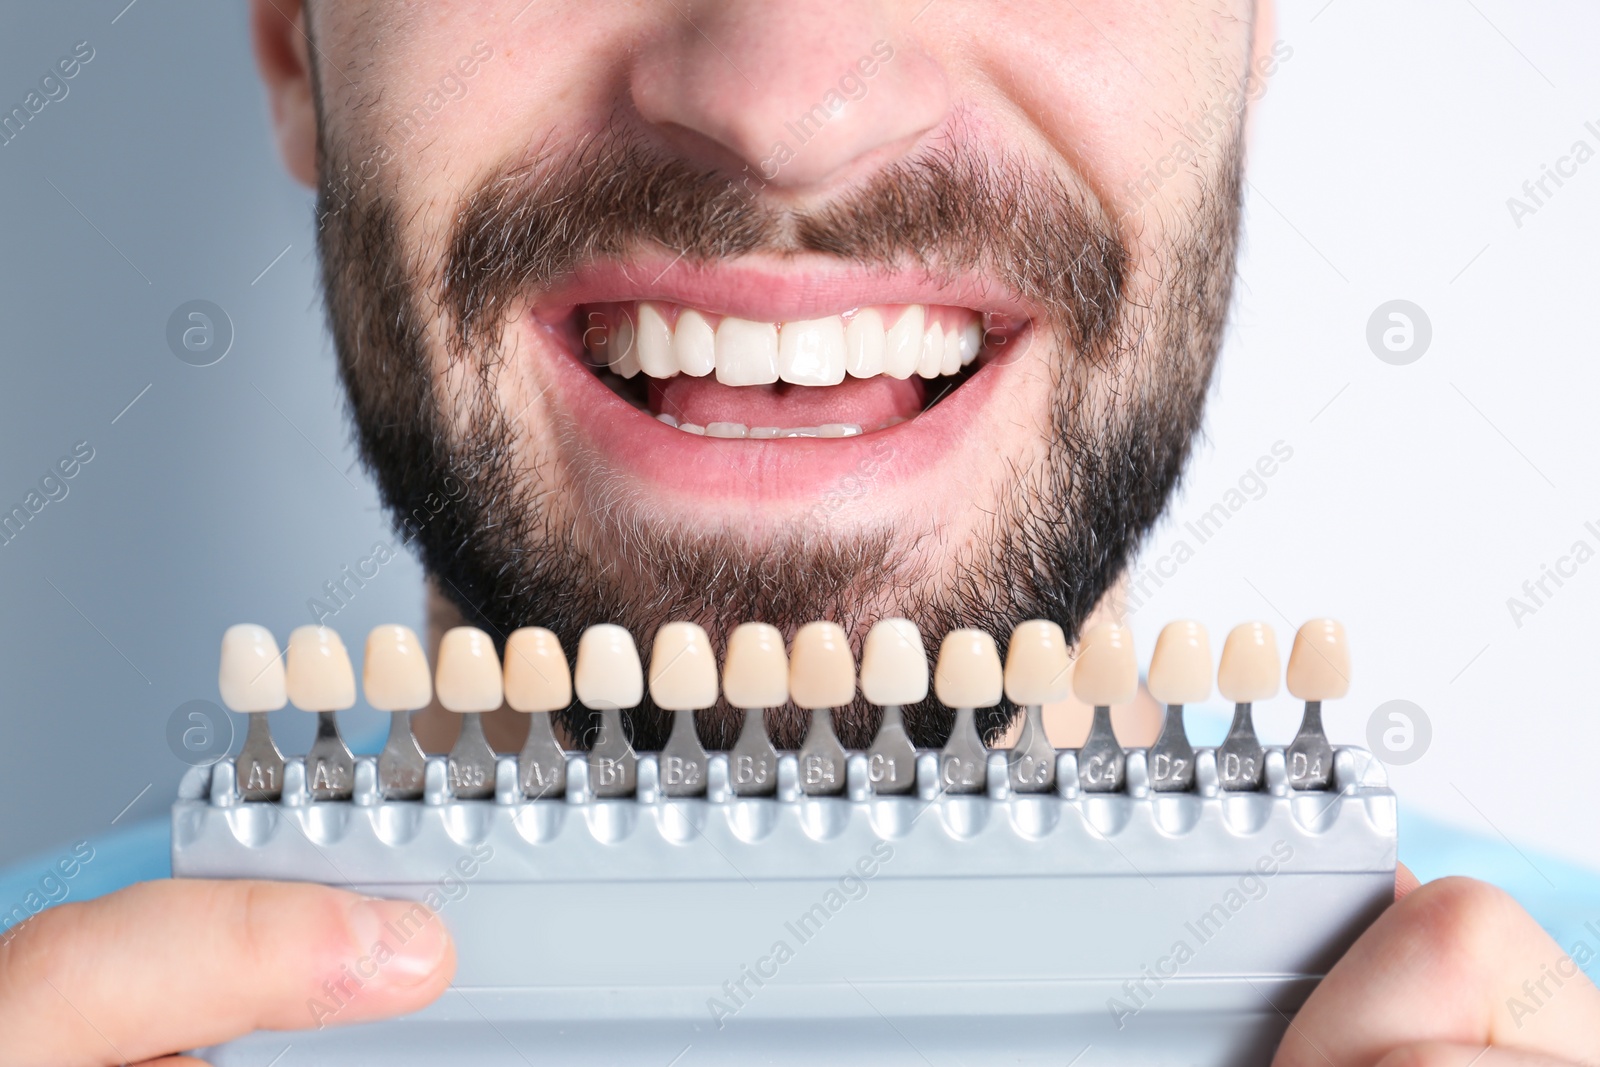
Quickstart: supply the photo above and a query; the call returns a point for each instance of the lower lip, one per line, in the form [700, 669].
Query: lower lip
[792, 469]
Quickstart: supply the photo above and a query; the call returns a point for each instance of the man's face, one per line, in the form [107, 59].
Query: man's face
[738, 311]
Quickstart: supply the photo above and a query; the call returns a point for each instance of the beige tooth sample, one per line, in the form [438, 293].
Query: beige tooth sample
[812, 351]
[683, 668]
[894, 663]
[1106, 672]
[755, 676]
[1180, 673]
[251, 676]
[822, 676]
[968, 672]
[319, 675]
[1319, 661]
[1249, 668]
[653, 336]
[755, 670]
[747, 352]
[468, 677]
[396, 679]
[894, 672]
[252, 680]
[931, 355]
[608, 677]
[864, 344]
[536, 677]
[1180, 666]
[822, 670]
[1038, 664]
[537, 681]
[694, 344]
[320, 679]
[902, 346]
[394, 670]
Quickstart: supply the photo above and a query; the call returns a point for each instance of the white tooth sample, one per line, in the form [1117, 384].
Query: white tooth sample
[747, 352]
[1106, 671]
[971, 341]
[536, 676]
[1319, 661]
[931, 354]
[822, 672]
[394, 670]
[732, 430]
[968, 673]
[467, 676]
[683, 668]
[1038, 664]
[694, 344]
[608, 674]
[318, 675]
[951, 362]
[622, 353]
[894, 664]
[755, 670]
[864, 344]
[251, 674]
[1180, 667]
[811, 352]
[902, 344]
[653, 339]
[1248, 671]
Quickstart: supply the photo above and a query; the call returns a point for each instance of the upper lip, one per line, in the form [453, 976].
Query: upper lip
[772, 289]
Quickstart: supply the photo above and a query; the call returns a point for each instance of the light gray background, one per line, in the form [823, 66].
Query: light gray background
[1418, 499]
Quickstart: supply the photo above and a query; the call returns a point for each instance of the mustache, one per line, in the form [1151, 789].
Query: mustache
[948, 209]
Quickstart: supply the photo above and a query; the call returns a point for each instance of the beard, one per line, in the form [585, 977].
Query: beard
[1133, 360]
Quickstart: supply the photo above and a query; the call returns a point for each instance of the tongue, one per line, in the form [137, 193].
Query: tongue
[867, 402]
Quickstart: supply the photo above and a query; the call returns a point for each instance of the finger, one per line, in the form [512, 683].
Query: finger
[1456, 961]
[1436, 1054]
[166, 966]
[1404, 881]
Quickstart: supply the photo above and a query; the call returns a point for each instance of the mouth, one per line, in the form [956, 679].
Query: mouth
[855, 373]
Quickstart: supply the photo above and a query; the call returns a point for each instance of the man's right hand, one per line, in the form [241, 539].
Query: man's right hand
[165, 966]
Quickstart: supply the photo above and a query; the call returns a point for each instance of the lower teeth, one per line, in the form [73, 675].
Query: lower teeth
[738, 430]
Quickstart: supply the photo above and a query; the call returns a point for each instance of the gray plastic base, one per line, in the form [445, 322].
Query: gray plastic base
[1146, 928]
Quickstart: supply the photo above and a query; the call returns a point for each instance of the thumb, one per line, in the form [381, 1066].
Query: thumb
[166, 966]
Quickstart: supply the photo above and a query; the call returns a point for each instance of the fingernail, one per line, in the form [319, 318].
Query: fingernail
[405, 942]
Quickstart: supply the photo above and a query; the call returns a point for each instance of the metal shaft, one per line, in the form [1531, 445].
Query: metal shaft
[613, 767]
[1310, 757]
[964, 761]
[1239, 760]
[822, 757]
[1101, 761]
[402, 763]
[1172, 757]
[259, 768]
[1031, 766]
[330, 768]
[892, 759]
[472, 761]
[683, 761]
[542, 764]
[753, 762]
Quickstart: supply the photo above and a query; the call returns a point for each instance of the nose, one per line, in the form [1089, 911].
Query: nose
[801, 93]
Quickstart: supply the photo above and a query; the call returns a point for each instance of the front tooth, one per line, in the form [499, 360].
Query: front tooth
[251, 676]
[683, 668]
[864, 344]
[394, 671]
[952, 352]
[1248, 670]
[694, 344]
[319, 675]
[764, 432]
[971, 341]
[1106, 672]
[1180, 667]
[902, 344]
[608, 674]
[894, 664]
[622, 355]
[968, 673]
[536, 676]
[1038, 664]
[811, 352]
[653, 341]
[689, 427]
[1319, 661]
[668, 419]
[931, 354]
[732, 430]
[822, 672]
[747, 352]
[839, 429]
[467, 677]
[755, 669]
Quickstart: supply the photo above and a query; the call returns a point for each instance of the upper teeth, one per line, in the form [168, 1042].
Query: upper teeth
[921, 341]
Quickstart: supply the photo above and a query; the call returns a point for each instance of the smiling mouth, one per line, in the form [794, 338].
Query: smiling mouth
[851, 374]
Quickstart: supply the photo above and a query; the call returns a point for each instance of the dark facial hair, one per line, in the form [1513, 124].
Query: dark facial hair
[1127, 392]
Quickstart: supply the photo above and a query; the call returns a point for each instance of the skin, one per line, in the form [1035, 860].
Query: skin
[1103, 88]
